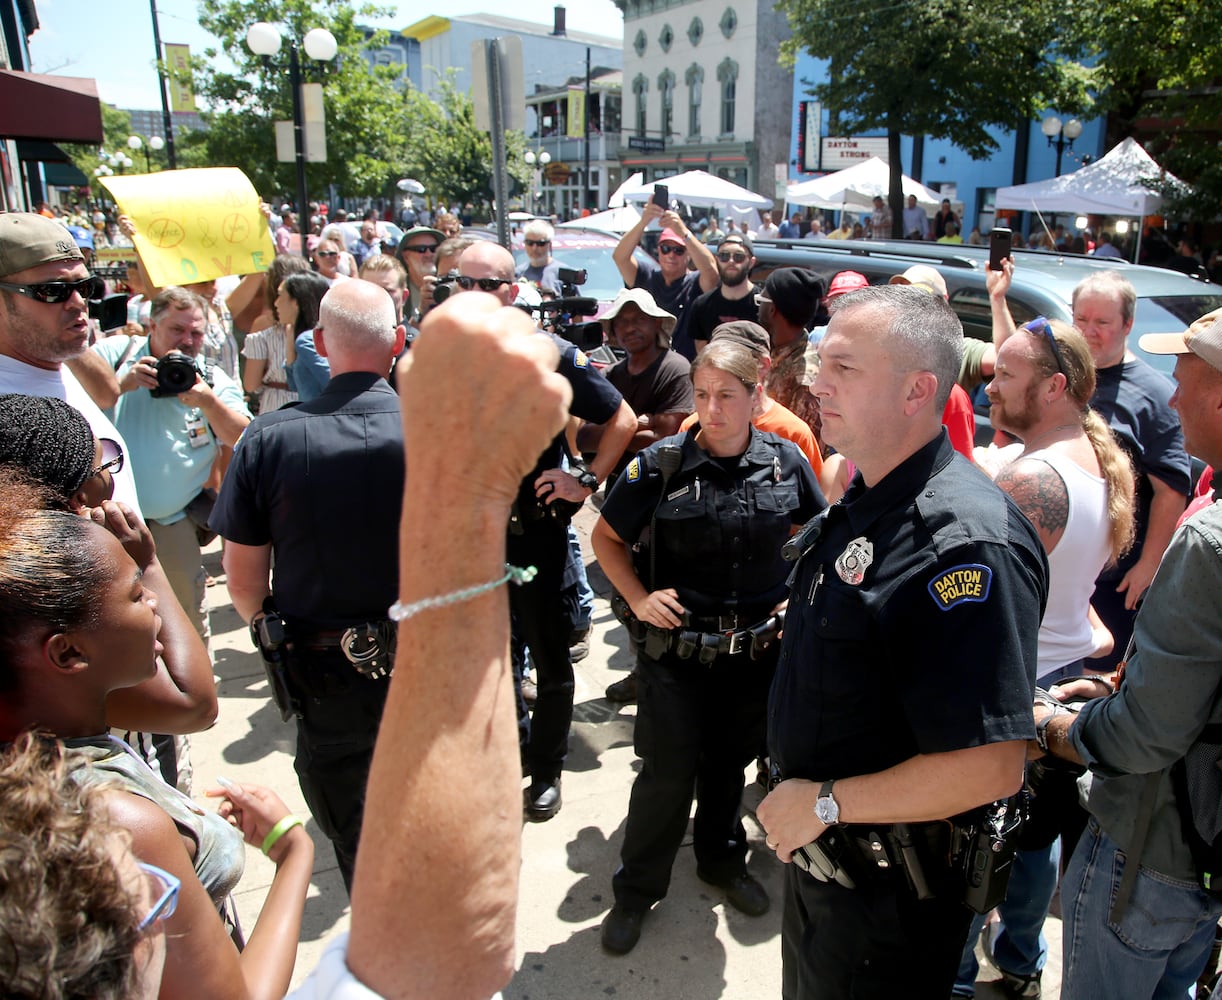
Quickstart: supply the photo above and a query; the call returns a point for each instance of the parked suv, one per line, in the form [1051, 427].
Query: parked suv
[1043, 282]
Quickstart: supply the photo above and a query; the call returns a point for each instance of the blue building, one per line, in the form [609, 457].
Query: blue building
[1023, 156]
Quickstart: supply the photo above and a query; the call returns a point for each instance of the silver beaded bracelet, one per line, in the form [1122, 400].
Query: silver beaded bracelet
[513, 574]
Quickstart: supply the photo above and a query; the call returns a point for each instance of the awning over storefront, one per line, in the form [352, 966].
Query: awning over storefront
[57, 108]
[57, 167]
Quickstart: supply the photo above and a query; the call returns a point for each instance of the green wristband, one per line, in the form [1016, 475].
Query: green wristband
[279, 830]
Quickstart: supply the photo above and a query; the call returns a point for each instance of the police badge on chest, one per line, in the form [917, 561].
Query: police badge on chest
[852, 563]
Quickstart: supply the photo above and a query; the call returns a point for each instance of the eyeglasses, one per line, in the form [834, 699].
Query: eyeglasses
[112, 458]
[761, 299]
[55, 292]
[538, 243]
[326, 253]
[484, 284]
[1042, 326]
[422, 248]
[675, 248]
[168, 887]
[738, 258]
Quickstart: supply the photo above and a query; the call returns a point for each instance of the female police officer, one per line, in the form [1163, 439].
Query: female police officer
[719, 502]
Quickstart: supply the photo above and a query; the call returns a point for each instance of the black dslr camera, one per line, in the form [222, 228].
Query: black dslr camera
[176, 373]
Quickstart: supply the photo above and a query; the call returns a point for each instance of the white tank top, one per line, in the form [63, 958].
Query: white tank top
[1084, 548]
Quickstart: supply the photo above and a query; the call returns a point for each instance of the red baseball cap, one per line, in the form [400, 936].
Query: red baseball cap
[846, 281]
[670, 236]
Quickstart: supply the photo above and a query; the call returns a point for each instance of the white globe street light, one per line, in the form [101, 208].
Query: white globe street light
[263, 39]
[320, 44]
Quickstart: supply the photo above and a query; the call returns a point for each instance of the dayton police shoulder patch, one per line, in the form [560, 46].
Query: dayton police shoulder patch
[966, 584]
[633, 472]
[580, 360]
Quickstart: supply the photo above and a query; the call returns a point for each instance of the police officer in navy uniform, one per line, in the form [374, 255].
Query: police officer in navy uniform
[542, 617]
[717, 504]
[319, 487]
[909, 653]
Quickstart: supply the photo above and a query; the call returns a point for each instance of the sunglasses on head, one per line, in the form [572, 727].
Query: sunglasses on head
[484, 284]
[55, 292]
[112, 458]
[423, 248]
[538, 243]
[1041, 325]
[675, 248]
[738, 258]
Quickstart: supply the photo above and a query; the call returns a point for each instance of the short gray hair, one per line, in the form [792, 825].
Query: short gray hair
[924, 333]
[1112, 284]
[355, 321]
[539, 227]
[174, 297]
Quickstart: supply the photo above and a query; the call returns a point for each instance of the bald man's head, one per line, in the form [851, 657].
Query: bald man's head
[358, 327]
[490, 260]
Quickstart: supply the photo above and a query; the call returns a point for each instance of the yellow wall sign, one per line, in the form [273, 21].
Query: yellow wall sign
[192, 225]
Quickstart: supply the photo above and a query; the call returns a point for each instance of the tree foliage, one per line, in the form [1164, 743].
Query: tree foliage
[365, 110]
[1159, 73]
[447, 153]
[116, 130]
[949, 69]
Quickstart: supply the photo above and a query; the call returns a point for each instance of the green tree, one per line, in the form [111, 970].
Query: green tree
[949, 69]
[1158, 74]
[448, 154]
[365, 110]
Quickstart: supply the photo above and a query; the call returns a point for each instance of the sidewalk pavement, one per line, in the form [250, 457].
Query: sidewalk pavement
[693, 946]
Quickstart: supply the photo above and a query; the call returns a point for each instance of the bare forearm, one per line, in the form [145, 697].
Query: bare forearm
[616, 435]
[933, 786]
[226, 423]
[1166, 506]
[96, 377]
[271, 950]
[616, 562]
[462, 927]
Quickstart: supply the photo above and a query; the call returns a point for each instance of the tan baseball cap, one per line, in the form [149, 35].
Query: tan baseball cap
[922, 276]
[1203, 338]
[27, 240]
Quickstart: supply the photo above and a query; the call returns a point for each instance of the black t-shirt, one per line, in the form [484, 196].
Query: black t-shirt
[712, 309]
[933, 647]
[664, 387]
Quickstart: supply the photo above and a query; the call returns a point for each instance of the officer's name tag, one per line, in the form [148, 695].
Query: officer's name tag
[197, 430]
[966, 584]
[679, 493]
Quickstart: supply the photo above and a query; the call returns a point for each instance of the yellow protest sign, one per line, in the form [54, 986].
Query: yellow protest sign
[192, 225]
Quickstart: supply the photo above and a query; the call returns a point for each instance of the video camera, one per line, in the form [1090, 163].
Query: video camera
[109, 310]
[560, 315]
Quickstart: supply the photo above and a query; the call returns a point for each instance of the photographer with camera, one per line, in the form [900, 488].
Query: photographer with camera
[174, 413]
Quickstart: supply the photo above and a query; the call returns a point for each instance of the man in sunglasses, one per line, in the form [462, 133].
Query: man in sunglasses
[418, 252]
[669, 281]
[45, 289]
[545, 610]
[540, 267]
[326, 259]
[731, 300]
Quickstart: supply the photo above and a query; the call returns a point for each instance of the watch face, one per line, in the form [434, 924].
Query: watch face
[827, 810]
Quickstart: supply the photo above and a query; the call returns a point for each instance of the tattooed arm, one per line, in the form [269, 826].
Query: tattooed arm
[1040, 493]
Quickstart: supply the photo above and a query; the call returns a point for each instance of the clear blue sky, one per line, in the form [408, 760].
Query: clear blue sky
[112, 41]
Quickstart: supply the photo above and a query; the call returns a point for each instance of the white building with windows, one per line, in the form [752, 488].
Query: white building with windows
[703, 89]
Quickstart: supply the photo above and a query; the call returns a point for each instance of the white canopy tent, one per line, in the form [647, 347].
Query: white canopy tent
[617, 196]
[613, 220]
[857, 187]
[696, 187]
[1110, 186]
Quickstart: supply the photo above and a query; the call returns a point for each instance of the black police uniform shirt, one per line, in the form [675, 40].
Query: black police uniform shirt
[721, 522]
[927, 643]
[595, 400]
[322, 482]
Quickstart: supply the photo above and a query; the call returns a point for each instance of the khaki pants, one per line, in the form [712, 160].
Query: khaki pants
[178, 550]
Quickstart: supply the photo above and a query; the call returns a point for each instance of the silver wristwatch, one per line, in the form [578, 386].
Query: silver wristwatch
[827, 809]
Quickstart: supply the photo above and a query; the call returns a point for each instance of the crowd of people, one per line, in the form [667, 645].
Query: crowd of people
[916, 640]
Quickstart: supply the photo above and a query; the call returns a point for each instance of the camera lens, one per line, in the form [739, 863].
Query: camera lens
[176, 373]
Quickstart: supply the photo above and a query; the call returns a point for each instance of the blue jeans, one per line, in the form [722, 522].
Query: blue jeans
[585, 593]
[1158, 948]
[1020, 948]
